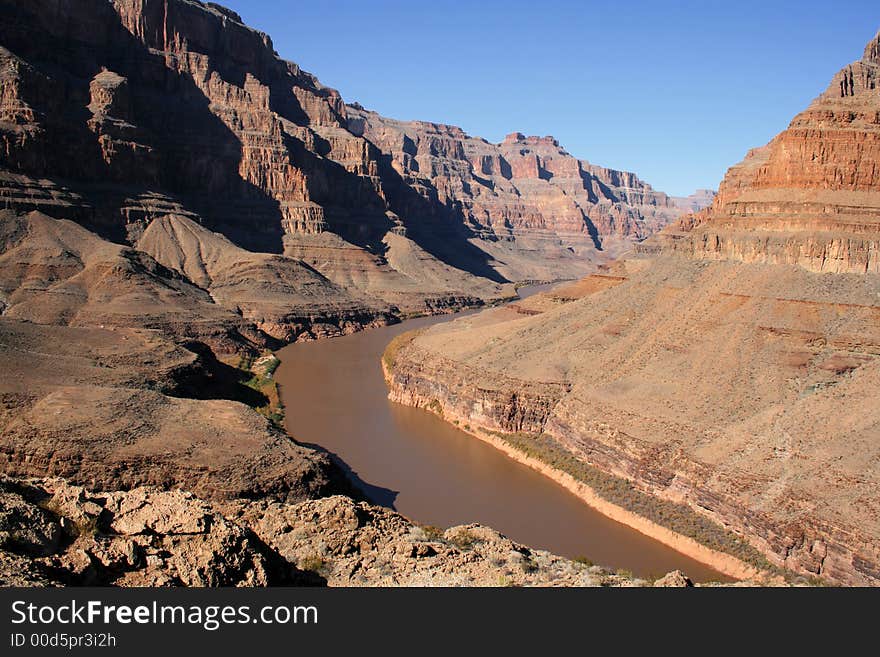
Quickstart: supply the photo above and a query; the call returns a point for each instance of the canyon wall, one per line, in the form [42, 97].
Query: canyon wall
[811, 197]
[730, 366]
[535, 207]
[175, 200]
[162, 170]
[120, 114]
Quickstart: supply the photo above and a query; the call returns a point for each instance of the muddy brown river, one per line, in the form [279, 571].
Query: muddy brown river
[414, 462]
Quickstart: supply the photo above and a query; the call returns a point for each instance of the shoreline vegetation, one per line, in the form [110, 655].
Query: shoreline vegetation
[576, 476]
[589, 484]
[257, 374]
[673, 524]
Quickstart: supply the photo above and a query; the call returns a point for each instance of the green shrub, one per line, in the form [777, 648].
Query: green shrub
[432, 533]
[680, 518]
[389, 357]
[463, 539]
[313, 563]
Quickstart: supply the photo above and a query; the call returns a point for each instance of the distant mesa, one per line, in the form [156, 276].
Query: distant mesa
[699, 200]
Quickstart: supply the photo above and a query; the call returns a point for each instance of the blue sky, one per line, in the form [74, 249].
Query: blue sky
[675, 91]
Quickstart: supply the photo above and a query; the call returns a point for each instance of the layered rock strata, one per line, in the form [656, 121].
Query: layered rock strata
[811, 197]
[175, 200]
[120, 114]
[282, 297]
[538, 210]
[125, 113]
[113, 408]
[731, 366]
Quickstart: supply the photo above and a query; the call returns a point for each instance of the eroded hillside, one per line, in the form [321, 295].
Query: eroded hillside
[730, 367]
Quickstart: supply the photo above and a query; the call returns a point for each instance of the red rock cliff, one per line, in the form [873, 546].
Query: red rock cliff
[811, 196]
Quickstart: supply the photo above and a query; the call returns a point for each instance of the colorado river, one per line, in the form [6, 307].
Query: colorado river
[411, 460]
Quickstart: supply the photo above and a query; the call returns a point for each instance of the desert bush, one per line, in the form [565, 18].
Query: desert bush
[313, 563]
[389, 357]
[463, 539]
[434, 406]
[431, 532]
[678, 517]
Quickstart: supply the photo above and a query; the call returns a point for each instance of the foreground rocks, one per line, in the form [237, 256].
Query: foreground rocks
[53, 533]
[356, 544]
[730, 367]
[144, 537]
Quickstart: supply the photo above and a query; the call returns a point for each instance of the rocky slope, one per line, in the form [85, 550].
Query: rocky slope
[699, 200]
[731, 367]
[53, 533]
[108, 408]
[55, 272]
[175, 200]
[111, 377]
[284, 298]
[125, 113]
[540, 212]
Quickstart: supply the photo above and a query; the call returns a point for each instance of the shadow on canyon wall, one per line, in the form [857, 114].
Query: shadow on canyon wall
[170, 143]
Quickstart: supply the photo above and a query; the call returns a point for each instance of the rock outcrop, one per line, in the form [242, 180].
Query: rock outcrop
[675, 579]
[53, 533]
[109, 408]
[539, 211]
[64, 535]
[357, 544]
[730, 367]
[811, 197]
